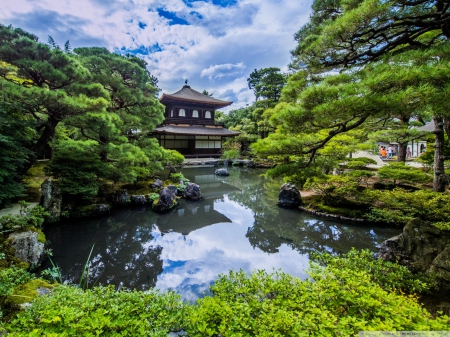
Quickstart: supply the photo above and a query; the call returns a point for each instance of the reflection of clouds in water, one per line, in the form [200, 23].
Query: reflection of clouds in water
[191, 265]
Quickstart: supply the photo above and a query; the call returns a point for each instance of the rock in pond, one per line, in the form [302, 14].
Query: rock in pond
[91, 211]
[27, 247]
[121, 198]
[167, 200]
[138, 200]
[422, 247]
[222, 172]
[192, 192]
[51, 200]
[289, 196]
[157, 184]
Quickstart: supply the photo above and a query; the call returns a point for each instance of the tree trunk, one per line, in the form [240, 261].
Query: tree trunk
[39, 147]
[440, 179]
[401, 154]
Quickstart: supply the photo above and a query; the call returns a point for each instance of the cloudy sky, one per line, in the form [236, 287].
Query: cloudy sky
[215, 44]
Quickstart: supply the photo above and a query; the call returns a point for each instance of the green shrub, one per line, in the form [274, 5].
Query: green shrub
[176, 177]
[30, 218]
[70, 311]
[389, 276]
[231, 154]
[10, 278]
[336, 301]
[399, 206]
[400, 173]
[153, 196]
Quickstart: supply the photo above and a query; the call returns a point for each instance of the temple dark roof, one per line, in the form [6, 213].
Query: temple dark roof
[186, 94]
[198, 130]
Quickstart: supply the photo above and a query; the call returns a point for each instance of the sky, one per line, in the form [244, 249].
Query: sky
[214, 44]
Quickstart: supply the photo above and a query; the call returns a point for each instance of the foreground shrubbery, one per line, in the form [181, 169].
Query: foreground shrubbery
[343, 296]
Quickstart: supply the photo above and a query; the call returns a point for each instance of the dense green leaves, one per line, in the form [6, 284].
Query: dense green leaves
[70, 311]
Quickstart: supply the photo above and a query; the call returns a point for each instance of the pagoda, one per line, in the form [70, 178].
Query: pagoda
[189, 125]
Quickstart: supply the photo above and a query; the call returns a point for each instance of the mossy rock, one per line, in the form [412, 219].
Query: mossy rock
[41, 235]
[28, 291]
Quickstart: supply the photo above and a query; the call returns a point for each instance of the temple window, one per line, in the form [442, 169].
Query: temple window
[181, 113]
[171, 113]
[207, 114]
[195, 113]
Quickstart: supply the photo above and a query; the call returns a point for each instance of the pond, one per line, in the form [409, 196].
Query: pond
[236, 225]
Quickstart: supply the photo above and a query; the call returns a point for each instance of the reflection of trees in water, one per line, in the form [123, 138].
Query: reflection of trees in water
[274, 226]
[121, 252]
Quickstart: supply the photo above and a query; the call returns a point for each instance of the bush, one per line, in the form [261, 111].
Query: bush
[10, 278]
[389, 276]
[336, 301]
[71, 311]
[400, 173]
[31, 218]
[399, 206]
[231, 154]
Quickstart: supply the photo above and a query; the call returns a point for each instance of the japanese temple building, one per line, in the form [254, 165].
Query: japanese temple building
[189, 125]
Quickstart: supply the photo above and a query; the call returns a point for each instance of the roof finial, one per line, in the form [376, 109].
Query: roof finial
[185, 82]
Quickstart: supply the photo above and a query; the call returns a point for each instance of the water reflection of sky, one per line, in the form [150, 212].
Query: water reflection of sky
[236, 225]
[192, 262]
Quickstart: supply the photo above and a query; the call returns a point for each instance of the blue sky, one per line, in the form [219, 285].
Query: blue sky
[215, 44]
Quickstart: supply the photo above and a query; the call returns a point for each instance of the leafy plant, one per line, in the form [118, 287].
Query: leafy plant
[399, 206]
[72, 311]
[400, 173]
[336, 301]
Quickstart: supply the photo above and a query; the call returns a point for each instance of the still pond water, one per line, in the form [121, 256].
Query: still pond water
[236, 225]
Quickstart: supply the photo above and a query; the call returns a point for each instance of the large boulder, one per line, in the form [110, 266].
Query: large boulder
[91, 211]
[157, 184]
[27, 247]
[51, 200]
[192, 192]
[289, 196]
[422, 247]
[138, 200]
[417, 247]
[167, 200]
[222, 172]
[121, 198]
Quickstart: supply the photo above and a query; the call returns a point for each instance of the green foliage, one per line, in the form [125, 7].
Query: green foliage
[399, 206]
[26, 292]
[267, 83]
[153, 196]
[389, 276]
[359, 163]
[177, 177]
[334, 187]
[77, 169]
[10, 278]
[30, 218]
[172, 158]
[231, 154]
[15, 133]
[337, 300]
[101, 310]
[400, 173]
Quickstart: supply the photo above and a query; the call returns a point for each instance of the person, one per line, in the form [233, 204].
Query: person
[408, 152]
[383, 152]
[389, 151]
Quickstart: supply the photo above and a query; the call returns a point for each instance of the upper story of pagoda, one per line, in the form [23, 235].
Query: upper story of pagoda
[188, 106]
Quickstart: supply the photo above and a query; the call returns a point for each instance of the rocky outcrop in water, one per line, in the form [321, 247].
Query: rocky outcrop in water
[121, 198]
[27, 247]
[167, 199]
[91, 211]
[51, 200]
[222, 172]
[138, 200]
[192, 192]
[157, 184]
[289, 196]
[422, 247]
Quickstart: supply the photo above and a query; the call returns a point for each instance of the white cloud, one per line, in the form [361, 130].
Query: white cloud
[223, 70]
[216, 50]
